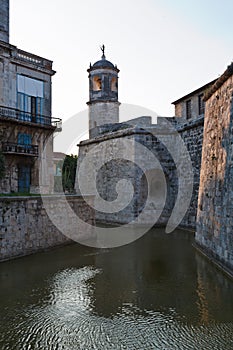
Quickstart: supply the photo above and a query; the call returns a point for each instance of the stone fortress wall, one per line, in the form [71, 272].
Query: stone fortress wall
[26, 228]
[214, 233]
[154, 138]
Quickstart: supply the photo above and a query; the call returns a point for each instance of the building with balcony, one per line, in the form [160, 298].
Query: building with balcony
[26, 124]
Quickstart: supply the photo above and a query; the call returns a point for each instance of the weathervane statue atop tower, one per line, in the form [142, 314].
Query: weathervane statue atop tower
[102, 48]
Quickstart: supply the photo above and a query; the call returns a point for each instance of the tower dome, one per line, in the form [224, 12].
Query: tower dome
[103, 63]
[103, 94]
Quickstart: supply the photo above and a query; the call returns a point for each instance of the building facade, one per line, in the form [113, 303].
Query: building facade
[26, 125]
[192, 105]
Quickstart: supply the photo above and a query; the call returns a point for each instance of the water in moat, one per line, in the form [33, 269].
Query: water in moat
[156, 293]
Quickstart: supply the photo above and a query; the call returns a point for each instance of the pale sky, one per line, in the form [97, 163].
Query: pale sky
[163, 48]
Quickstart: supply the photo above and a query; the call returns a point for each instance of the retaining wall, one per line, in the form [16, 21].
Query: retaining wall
[27, 224]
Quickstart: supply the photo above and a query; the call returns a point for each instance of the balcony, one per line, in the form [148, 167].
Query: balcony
[14, 114]
[15, 148]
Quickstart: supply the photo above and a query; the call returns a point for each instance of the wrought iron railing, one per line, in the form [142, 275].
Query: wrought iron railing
[16, 114]
[15, 148]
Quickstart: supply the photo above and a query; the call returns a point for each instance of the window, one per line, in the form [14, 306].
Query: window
[58, 169]
[30, 86]
[201, 105]
[30, 99]
[188, 109]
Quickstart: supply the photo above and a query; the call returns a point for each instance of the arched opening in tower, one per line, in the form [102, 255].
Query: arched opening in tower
[97, 84]
[114, 84]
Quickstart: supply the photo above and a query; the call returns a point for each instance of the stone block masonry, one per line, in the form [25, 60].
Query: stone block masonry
[26, 228]
[214, 234]
[192, 135]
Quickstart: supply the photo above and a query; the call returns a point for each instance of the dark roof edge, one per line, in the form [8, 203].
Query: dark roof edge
[219, 82]
[195, 92]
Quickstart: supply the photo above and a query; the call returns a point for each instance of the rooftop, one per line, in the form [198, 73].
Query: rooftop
[25, 58]
[200, 89]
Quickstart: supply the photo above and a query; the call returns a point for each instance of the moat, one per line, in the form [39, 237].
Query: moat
[156, 293]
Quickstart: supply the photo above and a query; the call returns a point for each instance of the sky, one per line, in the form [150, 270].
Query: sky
[163, 48]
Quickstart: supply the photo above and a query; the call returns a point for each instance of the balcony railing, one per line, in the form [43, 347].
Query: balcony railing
[18, 115]
[33, 59]
[15, 148]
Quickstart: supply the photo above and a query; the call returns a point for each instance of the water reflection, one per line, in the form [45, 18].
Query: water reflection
[157, 293]
[215, 293]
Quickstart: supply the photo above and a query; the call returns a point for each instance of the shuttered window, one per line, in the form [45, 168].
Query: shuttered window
[188, 109]
[201, 104]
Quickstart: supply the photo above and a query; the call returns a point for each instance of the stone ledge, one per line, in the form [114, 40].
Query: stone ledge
[35, 251]
[51, 197]
[115, 135]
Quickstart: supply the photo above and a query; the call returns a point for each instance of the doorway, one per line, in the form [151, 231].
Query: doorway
[24, 178]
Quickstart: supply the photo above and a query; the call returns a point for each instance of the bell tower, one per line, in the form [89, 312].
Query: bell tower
[4, 20]
[103, 94]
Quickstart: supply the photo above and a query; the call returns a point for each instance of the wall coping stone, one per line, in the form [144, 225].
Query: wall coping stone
[51, 197]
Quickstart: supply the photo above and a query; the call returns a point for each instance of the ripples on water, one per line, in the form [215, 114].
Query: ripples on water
[65, 316]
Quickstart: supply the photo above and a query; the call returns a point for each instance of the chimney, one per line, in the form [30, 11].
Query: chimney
[4, 20]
